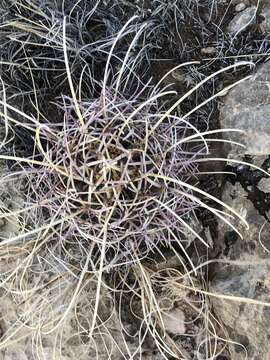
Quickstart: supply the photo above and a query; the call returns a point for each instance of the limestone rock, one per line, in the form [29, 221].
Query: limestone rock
[247, 324]
[174, 321]
[247, 107]
[240, 7]
[242, 20]
[265, 14]
[243, 271]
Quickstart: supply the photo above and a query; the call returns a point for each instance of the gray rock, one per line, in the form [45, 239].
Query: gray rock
[265, 24]
[244, 272]
[240, 7]
[264, 185]
[242, 20]
[231, 245]
[174, 321]
[247, 324]
[208, 50]
[247, 107]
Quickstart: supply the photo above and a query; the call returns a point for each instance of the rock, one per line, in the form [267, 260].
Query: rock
[210, 50]
[243, 271]
[242, 20]
[16, 353]
[240, 7]
[247, 107]
[264, 185]
[174, 321]
[247, 324]
[265, 24]
[231, 245]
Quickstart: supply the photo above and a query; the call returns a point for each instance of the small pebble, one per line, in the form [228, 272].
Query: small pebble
[264, 185]
[242, 20]
[240, 7]
[208, 50]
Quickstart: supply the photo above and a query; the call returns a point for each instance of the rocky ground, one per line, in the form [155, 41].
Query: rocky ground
[247, 271]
